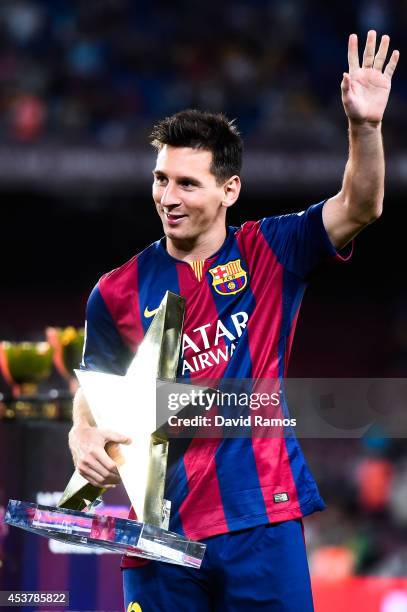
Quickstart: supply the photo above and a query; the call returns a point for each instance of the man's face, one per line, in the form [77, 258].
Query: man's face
[186, 195]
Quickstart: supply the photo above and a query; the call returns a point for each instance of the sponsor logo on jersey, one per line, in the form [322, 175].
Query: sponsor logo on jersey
[229, 278]
[211, 343]
[134, 607]
[150, 313]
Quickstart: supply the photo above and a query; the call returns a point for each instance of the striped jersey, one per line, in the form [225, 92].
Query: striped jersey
[241, 311]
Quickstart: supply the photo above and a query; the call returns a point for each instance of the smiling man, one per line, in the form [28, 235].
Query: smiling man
[193, 207]
[245, 498]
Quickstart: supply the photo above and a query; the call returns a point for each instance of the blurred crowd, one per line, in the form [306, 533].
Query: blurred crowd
[101, 71]
[364, 530]
[364, 482]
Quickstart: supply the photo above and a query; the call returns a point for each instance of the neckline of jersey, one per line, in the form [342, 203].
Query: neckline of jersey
[160, 244]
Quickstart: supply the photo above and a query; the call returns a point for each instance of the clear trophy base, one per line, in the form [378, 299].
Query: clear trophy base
[107, 532]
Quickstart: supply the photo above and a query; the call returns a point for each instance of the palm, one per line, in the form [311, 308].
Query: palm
[365, 90]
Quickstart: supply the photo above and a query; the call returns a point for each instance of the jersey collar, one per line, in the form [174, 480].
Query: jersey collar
[162, 251]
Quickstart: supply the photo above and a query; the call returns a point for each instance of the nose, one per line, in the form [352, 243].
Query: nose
[170, 196]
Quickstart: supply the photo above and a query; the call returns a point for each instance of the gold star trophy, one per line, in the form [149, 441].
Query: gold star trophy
[126, 404]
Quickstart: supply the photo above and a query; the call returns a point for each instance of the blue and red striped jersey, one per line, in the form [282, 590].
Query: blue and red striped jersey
[241, 313]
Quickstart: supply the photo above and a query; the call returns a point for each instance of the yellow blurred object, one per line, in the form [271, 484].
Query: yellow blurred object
[25, 363]
[69, 335]
[68, 346]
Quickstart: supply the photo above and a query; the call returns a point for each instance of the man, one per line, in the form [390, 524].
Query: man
[244, 497]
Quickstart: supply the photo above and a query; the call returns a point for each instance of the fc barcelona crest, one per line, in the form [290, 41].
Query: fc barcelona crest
[229, 278]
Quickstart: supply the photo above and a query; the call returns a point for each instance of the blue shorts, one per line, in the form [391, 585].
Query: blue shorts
[262, 568]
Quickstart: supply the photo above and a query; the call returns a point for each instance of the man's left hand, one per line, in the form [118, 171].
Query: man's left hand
[366, 88]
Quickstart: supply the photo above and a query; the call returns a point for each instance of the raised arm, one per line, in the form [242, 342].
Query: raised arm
[365, 92]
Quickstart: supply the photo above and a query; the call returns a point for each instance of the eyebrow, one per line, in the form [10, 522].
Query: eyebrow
[179, 179]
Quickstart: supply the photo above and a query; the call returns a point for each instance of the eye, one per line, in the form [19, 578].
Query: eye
[160, 180]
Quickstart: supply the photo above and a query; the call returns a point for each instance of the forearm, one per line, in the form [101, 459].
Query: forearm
[81, 414]
[363, 182]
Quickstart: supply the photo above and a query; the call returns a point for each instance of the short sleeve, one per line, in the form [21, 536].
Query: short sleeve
[104, 349]
[300, 240]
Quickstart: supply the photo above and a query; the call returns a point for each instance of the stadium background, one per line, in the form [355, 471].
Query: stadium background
[81, 83]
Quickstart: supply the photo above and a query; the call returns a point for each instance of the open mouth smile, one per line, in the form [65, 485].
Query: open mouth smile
[174, 219]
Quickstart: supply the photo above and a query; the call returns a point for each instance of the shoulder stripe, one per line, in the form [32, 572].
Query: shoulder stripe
[119, 290]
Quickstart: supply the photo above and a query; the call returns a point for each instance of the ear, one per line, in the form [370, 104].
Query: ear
[231, 191]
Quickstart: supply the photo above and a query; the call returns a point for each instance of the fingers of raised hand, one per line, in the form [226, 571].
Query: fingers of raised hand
[370, 60]
[380, 57]
[353, 53]
[346, 81]
[369, 52]
[391, 66]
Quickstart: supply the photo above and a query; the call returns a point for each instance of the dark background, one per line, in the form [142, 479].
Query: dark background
[57, 246]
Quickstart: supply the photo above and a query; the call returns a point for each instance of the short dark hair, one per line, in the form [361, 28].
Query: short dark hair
[207, 131]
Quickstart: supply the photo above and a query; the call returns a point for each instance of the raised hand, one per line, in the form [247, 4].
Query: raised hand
[366, 88]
